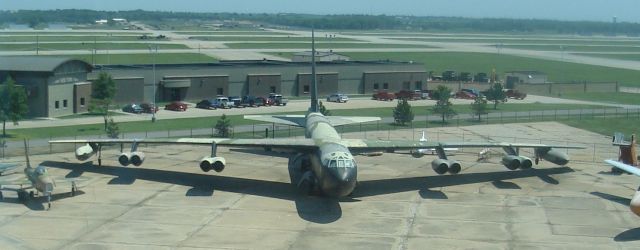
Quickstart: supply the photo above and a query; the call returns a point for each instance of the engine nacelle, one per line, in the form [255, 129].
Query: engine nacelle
[85, 152]
[513, 162]
[137, 158]
[124, 159]
[553, 155]
[215, 163]
[442, 166]
[417, 153]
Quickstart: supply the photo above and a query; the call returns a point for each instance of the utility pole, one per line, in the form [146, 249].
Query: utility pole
[154, 50]
[37, 44]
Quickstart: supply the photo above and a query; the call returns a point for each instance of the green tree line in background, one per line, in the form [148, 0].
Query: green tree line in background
[342, 22]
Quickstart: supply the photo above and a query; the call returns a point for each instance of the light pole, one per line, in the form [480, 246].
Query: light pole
[154, 49]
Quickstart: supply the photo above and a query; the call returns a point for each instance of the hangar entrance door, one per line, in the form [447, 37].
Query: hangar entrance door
[175, 90]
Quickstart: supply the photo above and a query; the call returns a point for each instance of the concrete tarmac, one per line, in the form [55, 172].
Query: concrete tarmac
[400, 203]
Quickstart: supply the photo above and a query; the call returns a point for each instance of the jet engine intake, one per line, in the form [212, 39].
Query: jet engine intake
[552, 155]
[215, 163]
[137, 158]
[417, 153]
[442, 166]
[124, 159]
[513, 162]
[84, 152]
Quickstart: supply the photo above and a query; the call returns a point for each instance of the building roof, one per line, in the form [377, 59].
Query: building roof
[35, 63]
[245, 63]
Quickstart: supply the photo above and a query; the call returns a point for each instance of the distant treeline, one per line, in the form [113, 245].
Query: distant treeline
[338, 22]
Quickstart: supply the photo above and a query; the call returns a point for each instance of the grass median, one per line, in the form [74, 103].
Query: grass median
[208, 122]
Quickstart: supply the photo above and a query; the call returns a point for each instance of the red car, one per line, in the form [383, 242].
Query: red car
[384, 96]
[149, 108]
[176, 106]
[408, 95]
[465, 95]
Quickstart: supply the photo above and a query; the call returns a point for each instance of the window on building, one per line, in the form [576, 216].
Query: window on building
[64, 103]
[219, 91]
[272, 89]
[385, 85]
[81, 101]
[57, 105]
[376, 86]
[305, 89]
[418, 84]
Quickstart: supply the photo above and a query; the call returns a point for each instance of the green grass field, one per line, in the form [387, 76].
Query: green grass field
[207, 122]
[268, 38]
[325, 45]
[485, 62]
[162, 58]
[617, 98]
[630, 57]
[99, 38]
[575, 48]
[86, 46]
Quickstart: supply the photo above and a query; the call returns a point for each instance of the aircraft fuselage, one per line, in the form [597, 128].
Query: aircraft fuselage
[333, 164]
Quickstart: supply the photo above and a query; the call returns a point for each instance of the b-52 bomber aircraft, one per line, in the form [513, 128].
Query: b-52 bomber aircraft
[38, 179]
[325, 159]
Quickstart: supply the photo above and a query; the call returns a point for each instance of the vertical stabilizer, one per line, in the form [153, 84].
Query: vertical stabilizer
[423, 138]
[26, 153]
[314, 86]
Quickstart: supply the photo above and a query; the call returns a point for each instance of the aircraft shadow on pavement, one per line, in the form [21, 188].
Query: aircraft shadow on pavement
[613, 198]
[311, 208]
[37, 203]
[629, 235]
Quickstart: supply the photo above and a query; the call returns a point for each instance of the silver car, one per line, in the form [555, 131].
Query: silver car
[337, 98]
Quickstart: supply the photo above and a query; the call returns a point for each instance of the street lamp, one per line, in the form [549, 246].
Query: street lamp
[154, 49]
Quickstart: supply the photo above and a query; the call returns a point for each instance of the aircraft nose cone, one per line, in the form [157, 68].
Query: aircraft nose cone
[342, 181]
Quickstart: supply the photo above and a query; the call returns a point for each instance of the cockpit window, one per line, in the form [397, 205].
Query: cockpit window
[40, 170]
[332, 164]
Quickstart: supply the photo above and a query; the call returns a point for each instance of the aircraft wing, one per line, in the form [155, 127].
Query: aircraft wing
[293, 120]
[364, 145]
[625, 167]
[279, 143]
[345, 120]
[78, 181]
[22, 181]
[4, 167]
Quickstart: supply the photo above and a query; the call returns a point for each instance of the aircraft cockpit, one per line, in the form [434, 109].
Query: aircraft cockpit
[40, 170]
[342, 161]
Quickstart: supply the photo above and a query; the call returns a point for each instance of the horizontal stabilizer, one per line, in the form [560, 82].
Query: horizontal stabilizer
[628, 168]
[345, 120]
[293, 120]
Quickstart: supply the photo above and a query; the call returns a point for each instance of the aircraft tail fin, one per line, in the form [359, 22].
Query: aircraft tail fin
[314, 86]
[26, 153]
[423, 138]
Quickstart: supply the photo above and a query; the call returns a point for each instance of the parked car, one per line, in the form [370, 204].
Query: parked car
[207, 104]
[408, 95]
[384, 96]
[515, 94]
[337, 97]
[424, 94]
[464, 95]
[252, 101]
[237, 102]
[264, 100]
[132, 108]
[149, 108]
[176, 106]
[222, 102]
[278, 99]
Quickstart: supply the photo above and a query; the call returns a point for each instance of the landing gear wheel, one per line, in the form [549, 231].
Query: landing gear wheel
[99, 162]
[1, 197]
[73, 189]
[22, 196]
[49, 206]
[31, 194]
[537, 160]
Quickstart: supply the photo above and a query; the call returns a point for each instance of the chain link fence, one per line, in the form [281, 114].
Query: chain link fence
[383, 130]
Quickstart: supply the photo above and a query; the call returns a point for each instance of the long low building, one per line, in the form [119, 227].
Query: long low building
[237, 78]
[59, 86]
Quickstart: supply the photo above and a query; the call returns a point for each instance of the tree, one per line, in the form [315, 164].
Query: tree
[496, 94]
[223, 126]
[479, 107]
[323, 110]
[113, 131]
[102, 92]
[402, 113]
[443, 105]
[13, 103]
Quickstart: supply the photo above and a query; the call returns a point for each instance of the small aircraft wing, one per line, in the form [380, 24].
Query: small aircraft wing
[625, 167]
[77, 181]
[5, 167]
[22, 181]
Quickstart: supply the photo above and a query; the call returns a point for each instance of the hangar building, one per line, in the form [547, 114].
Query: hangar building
[55, 86]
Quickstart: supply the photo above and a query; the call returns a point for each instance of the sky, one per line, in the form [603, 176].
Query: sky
[591, 10]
